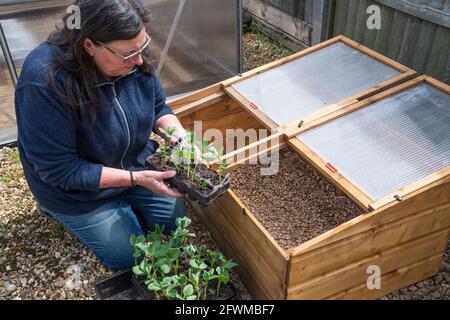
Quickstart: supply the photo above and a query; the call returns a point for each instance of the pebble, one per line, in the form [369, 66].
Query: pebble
[10, 287]
[60, 283]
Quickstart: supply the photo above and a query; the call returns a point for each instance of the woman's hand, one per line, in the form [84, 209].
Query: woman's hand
[154, 181]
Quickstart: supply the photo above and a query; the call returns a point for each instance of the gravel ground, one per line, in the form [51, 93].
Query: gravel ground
[40, 260]
[260, 49]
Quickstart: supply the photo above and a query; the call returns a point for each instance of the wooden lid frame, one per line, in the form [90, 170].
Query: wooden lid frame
[209, 95]
[269, 123]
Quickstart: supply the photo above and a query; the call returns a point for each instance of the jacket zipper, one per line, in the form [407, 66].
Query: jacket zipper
[126, 122]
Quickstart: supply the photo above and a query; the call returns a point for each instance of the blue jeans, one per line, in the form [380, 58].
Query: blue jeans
[107, 230]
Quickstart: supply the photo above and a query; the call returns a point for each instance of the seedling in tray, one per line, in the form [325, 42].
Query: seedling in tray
[171, 267]
[190, 160]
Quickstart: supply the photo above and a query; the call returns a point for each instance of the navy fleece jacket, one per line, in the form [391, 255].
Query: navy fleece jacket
[63, 161]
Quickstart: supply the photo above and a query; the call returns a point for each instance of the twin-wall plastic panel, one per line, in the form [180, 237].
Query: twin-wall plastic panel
[308, 84]
[391, 143]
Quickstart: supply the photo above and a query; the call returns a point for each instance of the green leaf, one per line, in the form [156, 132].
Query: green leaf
[229, 264]
[202, 266]
[141, 246]
[137, 270]
[133, 239]
[153, 287]
[188, 290]
[166, 281]
[196, 277]
[165, 268]
[193, 297]
[172, 293]
[193, 264]
[210, 156]
[143, 264]
[187, 222]
[173, 253]
[226, 278]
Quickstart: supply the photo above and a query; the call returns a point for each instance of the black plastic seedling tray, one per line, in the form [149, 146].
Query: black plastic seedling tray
[118, 287]
[193, 194]
[124, 286]
[229, 292]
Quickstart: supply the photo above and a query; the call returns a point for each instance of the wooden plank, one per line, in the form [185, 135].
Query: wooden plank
[355, 273]
[311, 118]
[281, 20]
[262, 259]
[251, 279]
[399, 278]
[215, 113]
[260, 145]
[278, 35]
[420, 10]
[183, 110]
[251, 157]
[437, 84]
[433, 195]
[233, 204]
[195, 96]
[411, 188]
[381, 43]
[350, 22]
[378, 239]
[230, 119]
[354, 193]
[231, 139]
[395, 38]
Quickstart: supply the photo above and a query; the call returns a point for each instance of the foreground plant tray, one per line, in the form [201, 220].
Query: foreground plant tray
[228, 292]
[124, 286]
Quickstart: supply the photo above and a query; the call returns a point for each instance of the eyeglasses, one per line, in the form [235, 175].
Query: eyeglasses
[131, 56]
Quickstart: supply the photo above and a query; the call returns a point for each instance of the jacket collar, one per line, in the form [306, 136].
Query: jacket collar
[103, 81]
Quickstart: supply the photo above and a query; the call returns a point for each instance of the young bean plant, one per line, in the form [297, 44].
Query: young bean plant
[165, 150]
[174, 268]
[191, 153]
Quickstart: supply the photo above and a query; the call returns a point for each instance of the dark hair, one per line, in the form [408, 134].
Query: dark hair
[103, 21]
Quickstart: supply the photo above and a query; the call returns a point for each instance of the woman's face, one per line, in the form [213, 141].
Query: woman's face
[107, 56]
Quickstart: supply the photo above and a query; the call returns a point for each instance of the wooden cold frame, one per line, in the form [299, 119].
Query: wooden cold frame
[405, 239]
